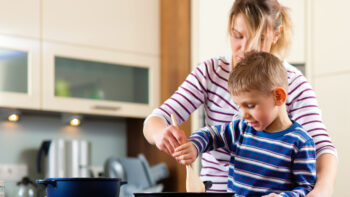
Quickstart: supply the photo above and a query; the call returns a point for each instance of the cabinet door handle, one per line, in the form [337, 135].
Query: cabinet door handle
[110, 108]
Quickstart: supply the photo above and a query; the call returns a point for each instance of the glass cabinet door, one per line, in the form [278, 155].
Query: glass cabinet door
[95, 81]
[19, 73]
[13, 71]
[86, 79]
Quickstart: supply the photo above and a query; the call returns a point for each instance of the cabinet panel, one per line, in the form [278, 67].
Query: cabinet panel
[333, 96]
[210, 37]
[331, 36]
[131, 25]
[19, 73]
[20, 17]
[94, 81]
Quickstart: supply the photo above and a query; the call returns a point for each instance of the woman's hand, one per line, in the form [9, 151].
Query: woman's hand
[170, 138]
[326, 170]
[186, 153]
[272, 195]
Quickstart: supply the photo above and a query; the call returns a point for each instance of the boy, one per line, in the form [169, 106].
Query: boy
[271, 155]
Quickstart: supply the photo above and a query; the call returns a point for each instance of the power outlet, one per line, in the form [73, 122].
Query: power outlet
[13, 172]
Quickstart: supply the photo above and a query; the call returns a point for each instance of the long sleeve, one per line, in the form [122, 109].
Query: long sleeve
[214, 137]
[304, 170]
[186, 99]
[303, 108]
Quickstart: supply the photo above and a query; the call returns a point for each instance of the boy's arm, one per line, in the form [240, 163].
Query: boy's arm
[210, 138]
[304, 170]
[186, 153]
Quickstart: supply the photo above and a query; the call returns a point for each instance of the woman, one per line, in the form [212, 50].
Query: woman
[261, 25]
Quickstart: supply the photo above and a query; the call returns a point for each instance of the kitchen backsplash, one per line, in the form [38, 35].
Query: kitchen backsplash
[19, 142]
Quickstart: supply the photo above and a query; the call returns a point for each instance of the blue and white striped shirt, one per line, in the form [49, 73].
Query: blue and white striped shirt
[261, 163]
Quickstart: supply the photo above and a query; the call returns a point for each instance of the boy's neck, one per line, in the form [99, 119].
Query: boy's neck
[281, 122]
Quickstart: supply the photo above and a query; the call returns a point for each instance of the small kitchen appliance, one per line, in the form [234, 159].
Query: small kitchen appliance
[64, 158]
[26, 188]
[137, 172]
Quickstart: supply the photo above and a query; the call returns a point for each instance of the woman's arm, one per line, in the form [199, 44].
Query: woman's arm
[326, 169]
[187, 98]
[166, 138]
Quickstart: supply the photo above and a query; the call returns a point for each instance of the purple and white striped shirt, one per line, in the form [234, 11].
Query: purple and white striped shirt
[207, 85]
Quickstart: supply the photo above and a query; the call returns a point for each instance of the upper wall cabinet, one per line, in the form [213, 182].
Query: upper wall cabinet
[131, 26]
[95, 81]
[93, 57]
[20, 18]
[19, 73]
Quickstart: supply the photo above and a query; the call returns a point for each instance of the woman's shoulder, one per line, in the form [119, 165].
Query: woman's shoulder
[215, 64]
[292, 70]
[294, 74]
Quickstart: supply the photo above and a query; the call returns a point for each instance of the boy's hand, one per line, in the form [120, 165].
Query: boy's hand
[185, 153]
[272, 195]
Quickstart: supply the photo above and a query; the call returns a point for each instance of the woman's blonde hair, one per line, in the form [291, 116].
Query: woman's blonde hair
[260, 16]
[259, 71]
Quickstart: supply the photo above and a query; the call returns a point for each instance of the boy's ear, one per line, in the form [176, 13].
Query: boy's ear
[280, 96]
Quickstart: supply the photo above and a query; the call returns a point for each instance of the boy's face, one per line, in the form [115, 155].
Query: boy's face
[259, 110]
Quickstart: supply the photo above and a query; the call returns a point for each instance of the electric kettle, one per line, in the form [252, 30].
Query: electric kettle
[64, 158]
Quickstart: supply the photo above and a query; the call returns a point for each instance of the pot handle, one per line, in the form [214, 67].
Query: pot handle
[123, 183]
[47, 182]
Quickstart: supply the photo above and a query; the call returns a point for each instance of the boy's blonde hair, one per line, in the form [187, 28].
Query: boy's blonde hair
[259, 71]
[260, 16]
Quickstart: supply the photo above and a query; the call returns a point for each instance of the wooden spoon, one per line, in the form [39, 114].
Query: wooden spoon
[193, 182]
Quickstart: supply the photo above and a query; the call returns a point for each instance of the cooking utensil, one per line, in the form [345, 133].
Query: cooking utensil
[82, 187]
[184, 194]
[193, 182]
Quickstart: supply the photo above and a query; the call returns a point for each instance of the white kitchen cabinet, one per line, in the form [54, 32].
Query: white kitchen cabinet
[106, 52]
[19, 73]
[331, 37]
[20, 18]
[131, 25]
[96, 81]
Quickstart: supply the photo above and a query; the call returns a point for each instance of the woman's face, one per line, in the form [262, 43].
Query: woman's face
[240, 38]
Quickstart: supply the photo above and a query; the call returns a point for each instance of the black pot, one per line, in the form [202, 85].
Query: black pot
[82, 187]
[184, 194]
